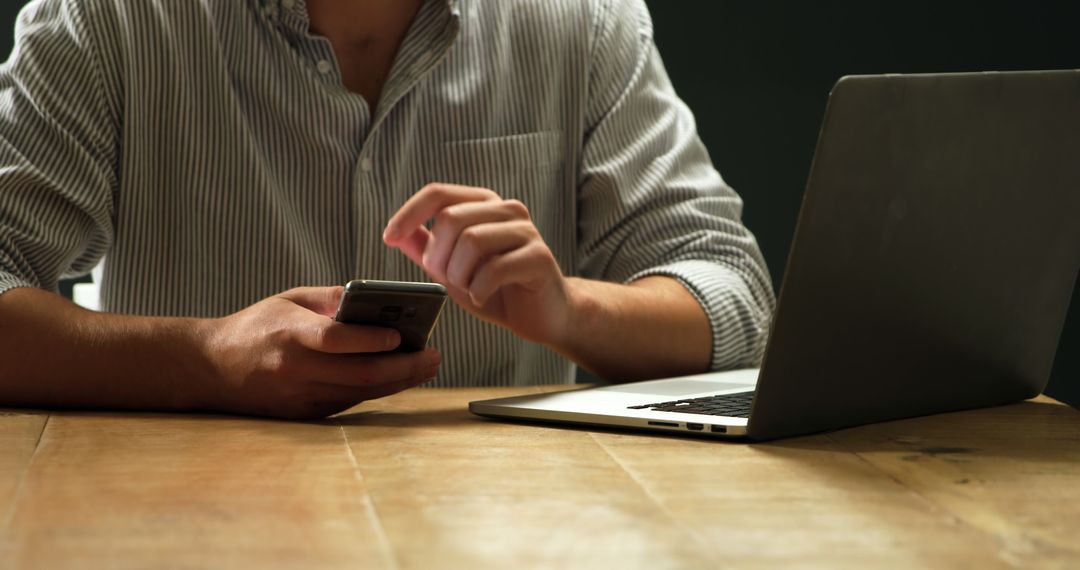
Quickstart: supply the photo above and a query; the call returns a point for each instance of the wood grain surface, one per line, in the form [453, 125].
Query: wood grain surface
[415, 481]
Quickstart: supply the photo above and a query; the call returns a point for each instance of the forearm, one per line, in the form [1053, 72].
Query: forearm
[54, 353]
[652, 328]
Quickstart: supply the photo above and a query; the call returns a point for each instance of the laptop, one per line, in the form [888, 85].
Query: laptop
[933, 262]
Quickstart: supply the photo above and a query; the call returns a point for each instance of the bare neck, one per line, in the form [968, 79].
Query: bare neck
[365, 36]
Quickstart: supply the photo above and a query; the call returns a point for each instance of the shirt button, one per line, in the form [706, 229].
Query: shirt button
[288, 4]
[323, 66]
[365, 164]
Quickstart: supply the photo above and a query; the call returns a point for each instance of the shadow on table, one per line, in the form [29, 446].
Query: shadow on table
[1035, 431]
[1031, 432]
[397, 418]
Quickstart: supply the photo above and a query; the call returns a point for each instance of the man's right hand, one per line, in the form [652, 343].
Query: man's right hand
[286, 357]
[282, 357]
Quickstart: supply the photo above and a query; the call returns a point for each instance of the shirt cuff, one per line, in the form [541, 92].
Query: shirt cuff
[9, 281]
[739, 319]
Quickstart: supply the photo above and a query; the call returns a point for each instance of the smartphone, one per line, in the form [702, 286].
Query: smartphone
[411, 308]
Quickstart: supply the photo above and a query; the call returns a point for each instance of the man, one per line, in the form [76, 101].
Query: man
[223, 151]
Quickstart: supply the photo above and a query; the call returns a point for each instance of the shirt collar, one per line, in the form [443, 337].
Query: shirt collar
[295, 11]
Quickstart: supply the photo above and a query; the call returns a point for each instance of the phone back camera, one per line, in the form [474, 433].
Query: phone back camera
[391, 313]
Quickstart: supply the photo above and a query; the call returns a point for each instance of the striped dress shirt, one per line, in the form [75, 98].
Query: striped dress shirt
[209, 152]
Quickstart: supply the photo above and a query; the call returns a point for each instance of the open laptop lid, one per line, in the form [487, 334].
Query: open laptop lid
[935, 254]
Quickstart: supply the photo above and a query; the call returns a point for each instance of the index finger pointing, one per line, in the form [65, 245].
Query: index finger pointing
[431, 199]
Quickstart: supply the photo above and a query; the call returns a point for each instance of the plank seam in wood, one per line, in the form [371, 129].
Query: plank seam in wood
[901, 483]
[956, 518]
[369, 506]
[703, 545]
[17, 497]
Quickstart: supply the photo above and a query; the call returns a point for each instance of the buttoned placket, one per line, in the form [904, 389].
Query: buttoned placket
[292, 15]
[370, 257]
[402, 80]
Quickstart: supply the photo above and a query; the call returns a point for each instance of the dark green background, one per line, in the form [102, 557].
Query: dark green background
[757, 73]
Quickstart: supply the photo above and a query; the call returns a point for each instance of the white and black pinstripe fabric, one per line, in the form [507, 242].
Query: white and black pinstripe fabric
[210, 149]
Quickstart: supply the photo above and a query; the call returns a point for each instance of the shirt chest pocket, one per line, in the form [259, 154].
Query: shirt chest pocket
[532, 168]
[526, 167]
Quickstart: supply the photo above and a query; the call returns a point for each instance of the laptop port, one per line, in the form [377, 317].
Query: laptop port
[718, 429]
[664, 424]
[695, 427]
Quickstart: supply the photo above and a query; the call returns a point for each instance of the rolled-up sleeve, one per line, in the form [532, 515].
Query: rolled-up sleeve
[650, 201]
[57, 150]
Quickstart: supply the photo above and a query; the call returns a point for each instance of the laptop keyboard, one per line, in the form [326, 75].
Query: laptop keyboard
[732, 405]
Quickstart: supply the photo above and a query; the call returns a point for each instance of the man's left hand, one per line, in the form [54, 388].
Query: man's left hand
[488, 254]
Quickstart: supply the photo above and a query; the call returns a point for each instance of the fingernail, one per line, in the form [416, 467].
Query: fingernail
[474, 300]
[393, 339]
[434, 358]
[389, 234]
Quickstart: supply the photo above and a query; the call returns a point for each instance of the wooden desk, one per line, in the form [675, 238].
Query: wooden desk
[414, 481]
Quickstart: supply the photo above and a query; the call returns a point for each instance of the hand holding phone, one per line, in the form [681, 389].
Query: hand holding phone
[412, 309]
[282, 357]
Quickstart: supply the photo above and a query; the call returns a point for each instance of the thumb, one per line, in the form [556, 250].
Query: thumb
[321, 300]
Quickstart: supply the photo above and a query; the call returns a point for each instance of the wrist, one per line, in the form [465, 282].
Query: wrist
[200, 386]
[584, 308]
